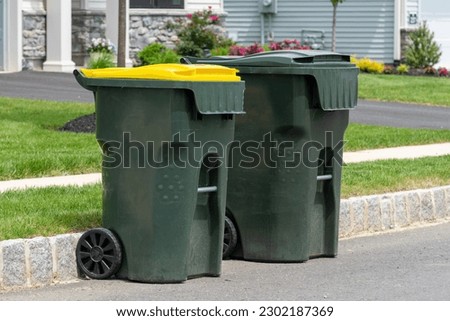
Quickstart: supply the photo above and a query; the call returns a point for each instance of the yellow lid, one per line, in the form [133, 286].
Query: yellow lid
[176, 72]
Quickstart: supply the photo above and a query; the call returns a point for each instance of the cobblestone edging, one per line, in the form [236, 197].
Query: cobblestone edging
[46, 260]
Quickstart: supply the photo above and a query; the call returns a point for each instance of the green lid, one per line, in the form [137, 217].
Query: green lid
[279, 58]
[336, 78]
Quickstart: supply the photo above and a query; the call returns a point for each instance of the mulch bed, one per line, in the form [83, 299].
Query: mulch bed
[83, 124]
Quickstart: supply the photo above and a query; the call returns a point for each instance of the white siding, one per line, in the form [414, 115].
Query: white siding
[76, 4]
[412, 10]
[364, 28]
[194, 5]
[95, 5]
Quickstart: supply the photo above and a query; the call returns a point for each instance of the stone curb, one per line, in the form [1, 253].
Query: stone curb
[46, 260]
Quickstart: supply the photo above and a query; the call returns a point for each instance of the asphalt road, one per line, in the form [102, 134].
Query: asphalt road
[63, 87]
[410, 265]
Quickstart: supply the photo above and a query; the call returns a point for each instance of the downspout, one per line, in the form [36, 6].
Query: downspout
[397, 29]
[262, 29]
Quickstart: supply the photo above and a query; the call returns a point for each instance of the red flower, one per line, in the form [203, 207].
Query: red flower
[189, 15]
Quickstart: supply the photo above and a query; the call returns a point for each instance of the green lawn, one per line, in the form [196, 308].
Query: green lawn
[32, 146]
[360, 137]
[407, 89]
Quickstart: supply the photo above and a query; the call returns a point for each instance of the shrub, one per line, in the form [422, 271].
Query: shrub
[237, 50]
[253, 49]
[288, 44]
[156, 53]
[402, 69]
[423, 51]
[244, 51]
[443, 72]
[370, 66]
[198, 33]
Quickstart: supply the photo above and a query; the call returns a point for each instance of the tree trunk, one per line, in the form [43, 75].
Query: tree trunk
[333, 36]
[122, 34]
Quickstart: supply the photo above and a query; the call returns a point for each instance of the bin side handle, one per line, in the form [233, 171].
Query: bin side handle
[207, 189]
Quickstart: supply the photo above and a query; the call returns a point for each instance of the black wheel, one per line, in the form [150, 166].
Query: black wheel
[230, 238]
[99, 254]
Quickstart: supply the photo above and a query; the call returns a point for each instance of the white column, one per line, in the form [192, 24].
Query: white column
[59, 36]
[112, 26]
[13, 36]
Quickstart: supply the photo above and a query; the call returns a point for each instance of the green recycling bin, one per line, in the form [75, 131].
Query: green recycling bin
[164, 132]
[284, 185]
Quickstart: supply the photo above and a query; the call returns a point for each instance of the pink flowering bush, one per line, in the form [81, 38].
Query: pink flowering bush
[237, 50]
[288, 44]
[443, 72]
[196, 33]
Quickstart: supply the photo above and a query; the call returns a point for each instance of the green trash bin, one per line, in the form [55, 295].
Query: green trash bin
[284, 186]
[163, 131]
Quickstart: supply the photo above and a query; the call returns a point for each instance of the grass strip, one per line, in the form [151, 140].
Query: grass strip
[394, 175]
[406, 89]
[49, 211]
[361, 137]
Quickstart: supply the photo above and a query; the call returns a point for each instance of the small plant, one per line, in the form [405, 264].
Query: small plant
[220, 51]
[430, 71]
[443, 72]
[388, 70]
[288, 44]
[156, 53]
[424, 51]
[402, 69]
[99, 60]
[370, 66]
[198, 34]
[101, 54]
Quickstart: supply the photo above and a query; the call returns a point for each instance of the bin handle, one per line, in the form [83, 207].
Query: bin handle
[324, 177]
[207, 189]
[82, 80]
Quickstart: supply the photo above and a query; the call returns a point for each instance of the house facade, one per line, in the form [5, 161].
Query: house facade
[54, 34]
[369, 28]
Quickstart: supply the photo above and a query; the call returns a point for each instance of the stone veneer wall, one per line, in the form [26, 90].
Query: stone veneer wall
[404, 42]
[86, 25]
[145, 28]
[34, 39]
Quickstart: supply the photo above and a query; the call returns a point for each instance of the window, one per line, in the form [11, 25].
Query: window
[157, 4]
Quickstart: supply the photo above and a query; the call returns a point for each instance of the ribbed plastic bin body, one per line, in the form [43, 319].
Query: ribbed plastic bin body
[165, 147]
[284, 196]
